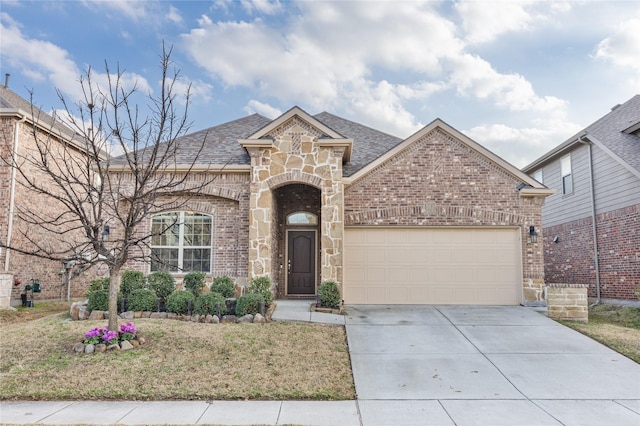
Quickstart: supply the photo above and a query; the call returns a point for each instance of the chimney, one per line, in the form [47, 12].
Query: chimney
[6, 80]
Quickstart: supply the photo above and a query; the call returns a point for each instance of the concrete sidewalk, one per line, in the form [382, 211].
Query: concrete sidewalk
[417, 365]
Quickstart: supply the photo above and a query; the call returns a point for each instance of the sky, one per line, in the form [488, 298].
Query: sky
[518, 77]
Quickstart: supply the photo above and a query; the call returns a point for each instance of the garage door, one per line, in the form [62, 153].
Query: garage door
[479, 266]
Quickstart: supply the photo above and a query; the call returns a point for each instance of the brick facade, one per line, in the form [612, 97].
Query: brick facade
[439, 181]
[571, 259]
[52, 275]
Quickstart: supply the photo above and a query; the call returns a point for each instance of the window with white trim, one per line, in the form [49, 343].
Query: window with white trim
[538, 175]
[181, 241]
[567, 177]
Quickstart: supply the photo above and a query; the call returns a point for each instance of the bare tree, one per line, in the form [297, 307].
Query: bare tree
[94, 196]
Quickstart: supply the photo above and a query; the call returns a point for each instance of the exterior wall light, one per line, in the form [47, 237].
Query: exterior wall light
[533, 235]
[105, 233]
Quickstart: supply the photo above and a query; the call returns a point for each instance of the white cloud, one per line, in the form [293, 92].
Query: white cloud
[520, 146]
[485, 21]
[262, 6]
[199, 91]
[132, 9]
[623, 48]
[263, 109]
[174, 15]
[474, 76]
[46, 61]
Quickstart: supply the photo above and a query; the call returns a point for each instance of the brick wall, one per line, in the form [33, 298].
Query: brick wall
[25, 268]
[440, 181]
[571, 259]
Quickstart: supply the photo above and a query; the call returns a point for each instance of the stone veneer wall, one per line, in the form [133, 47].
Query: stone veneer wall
[567, 302]
[439, 181]
[571, 259]
[294, 156]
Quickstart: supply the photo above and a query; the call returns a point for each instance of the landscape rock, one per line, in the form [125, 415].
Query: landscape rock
[114, 347]
[134, 343]
[171, 315]
[126, 345]
[259, 319]
[78, 347]
[245, 319]
[208, 319]
[137, 314]
[127, 315]
[89, 348]
[101, 347]
[154, 315]
[83, 313]
[227, 319]
[163, 315]
[146, 314]
[96, 316]
[142, 340]
[195, 318]
[74, 311]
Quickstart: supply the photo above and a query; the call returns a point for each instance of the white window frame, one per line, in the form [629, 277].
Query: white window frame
[566, 174]
[181, 247]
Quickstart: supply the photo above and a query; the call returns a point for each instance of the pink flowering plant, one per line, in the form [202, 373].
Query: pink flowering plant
[103, 335]
[127, 331]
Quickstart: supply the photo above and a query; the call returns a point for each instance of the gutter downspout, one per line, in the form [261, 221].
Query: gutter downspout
[593, 219]
[12, 195]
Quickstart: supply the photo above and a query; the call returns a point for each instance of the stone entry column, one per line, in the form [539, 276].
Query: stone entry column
[6, 284]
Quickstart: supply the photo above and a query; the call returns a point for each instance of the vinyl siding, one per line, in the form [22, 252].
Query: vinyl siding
[559, 207]
[615, 187]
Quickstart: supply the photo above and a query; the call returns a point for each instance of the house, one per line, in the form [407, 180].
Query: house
[18, 121]
[431, 219]
[591, 225]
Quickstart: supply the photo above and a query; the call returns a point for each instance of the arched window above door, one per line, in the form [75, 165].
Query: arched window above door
[302, 218]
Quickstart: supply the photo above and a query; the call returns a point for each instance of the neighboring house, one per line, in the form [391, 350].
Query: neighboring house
[431, 219]
[17, 122]
[592, 223]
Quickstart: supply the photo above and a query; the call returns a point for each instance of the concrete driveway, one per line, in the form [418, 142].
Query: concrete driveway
[472, 365]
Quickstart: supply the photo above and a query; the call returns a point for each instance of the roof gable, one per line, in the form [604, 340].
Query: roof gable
[532, 186]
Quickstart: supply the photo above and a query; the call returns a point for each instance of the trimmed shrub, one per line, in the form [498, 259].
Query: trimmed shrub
[249, 304]
[178, 301]
[224, 285]
[98, 300]
[194, 282]
[329, 294]
[162, 283]
[206, 304]
[98, 284]
[142, 300]
[130, 281]
[262, 285]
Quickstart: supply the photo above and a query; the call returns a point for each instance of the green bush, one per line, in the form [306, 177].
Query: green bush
[98, 284]
[142, 300]
[206, 304]
[98, 300]
[224, 285]
[249, 304]
[194, 282]
[178, 301]
[162, 283]
[131, 280]
[329, 294]
[262, 285]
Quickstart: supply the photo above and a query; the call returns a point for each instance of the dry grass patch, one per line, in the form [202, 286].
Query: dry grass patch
[182, 360]
[40, 310]
[617, 327]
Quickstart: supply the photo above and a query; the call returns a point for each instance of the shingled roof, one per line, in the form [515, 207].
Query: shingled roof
[221, 142]
[617, 132]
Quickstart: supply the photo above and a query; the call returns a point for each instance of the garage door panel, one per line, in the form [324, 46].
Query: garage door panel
[432, 266]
